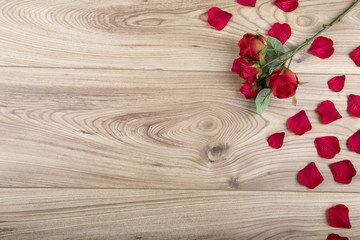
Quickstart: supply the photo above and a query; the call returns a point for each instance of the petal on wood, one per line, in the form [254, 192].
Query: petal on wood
[322, 47]
[276, 140]
[299, 123]
[328, 112]
[249, 3]
[339, 216]
[337, 83]
[218, 18]
[328, 146]
[282, 32]
[287, 5]
[343, 171]
[310, 176]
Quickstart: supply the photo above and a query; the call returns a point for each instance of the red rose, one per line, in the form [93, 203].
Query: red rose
[249, 72]
[283, 84]
[246, 90]
[251, 45]
[238, 65]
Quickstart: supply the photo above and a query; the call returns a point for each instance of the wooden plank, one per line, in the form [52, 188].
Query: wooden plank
[156, 129]
[159, 214]
[153, 34]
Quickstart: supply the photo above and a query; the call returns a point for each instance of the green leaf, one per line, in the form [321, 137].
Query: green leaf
[294, 101]
[262, 100]
[274, 48]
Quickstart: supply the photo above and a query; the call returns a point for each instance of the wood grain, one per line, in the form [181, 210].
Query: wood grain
[156, 214]
[159, 129]
[153, 34]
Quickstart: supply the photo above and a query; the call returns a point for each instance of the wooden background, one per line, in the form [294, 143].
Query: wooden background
[122, 120]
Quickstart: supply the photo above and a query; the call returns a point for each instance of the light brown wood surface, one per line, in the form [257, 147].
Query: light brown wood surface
[170, 214]
[122, 120]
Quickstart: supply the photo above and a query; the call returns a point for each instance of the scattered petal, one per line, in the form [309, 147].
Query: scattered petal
[355, 56]
[246, 89]
[249, 3]
[354, 142]
[282, 32]
[310, 176]
[276, 140]
[339, 216]
[334, 236]
[354, 105]
[327, 147]
[343, 171]
[337, 83]
[287, 5]
[328, 112]
[322, 47]
[218, 18]
[299, 123]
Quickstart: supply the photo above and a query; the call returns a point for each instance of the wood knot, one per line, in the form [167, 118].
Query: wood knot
[304, 21]
[210, 125]
[234, 183]
[216, 152]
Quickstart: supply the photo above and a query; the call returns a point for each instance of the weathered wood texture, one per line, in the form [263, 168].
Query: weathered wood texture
[156, 129]
[142, 214]
[157, 34]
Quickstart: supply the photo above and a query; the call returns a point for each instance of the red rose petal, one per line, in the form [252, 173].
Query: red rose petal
[334, 236]
[354, 105]
[354, 142]
[299, 123]
[337, 83]
[287, 5]
[238, 65]
[322, 47]
[282, 32]
[276, 140]
[327, 147]
[246, 89]
[328, 112]
[310, 176]
[355, 56]
[343, 171]
[339, 216]
[249, 3]
[218, 18]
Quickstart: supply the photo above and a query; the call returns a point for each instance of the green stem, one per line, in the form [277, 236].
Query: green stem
[310, 40]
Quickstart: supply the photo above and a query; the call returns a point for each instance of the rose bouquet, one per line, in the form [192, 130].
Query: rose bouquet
[264, 63]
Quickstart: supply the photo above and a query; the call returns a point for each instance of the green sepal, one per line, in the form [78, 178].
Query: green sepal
[258, 75]
[302, 83]
[262, 55]
[254, 88]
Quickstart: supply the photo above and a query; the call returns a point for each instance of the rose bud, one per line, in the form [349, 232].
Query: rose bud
[250, 72]
[251, 45]
[283, 83]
